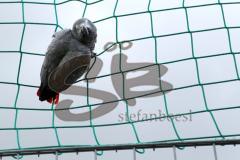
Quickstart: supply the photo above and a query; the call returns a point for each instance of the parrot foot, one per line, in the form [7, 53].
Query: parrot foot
[93, 55]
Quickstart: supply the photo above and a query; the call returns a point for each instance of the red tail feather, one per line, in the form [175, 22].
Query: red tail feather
[56, 99]
[38, 93]
[51, 99]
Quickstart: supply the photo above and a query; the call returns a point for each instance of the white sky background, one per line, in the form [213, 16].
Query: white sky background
[171, 48]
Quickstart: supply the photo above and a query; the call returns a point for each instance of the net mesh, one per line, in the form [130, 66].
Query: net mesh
[122, 72]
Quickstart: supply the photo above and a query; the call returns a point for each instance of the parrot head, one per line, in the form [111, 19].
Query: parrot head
[86, 32]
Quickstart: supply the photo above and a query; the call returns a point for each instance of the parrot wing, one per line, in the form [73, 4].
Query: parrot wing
[73, 65]
[54, 55]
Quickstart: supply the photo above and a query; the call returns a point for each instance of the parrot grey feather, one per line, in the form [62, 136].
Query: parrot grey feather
[55, 52]
[81, 40]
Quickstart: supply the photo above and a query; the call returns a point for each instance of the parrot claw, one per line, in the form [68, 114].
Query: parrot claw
[93, 55]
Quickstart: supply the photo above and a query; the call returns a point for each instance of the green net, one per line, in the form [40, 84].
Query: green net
[217, 129]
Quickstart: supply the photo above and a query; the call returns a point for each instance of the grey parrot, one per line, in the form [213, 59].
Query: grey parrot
[65, 46]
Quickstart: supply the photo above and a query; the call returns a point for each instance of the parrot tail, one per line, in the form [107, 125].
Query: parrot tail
[45, 93]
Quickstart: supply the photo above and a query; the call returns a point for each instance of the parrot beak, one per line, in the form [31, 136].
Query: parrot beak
[85, 30]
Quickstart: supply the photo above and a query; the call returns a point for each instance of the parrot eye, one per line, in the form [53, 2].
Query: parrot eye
[78, 29]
